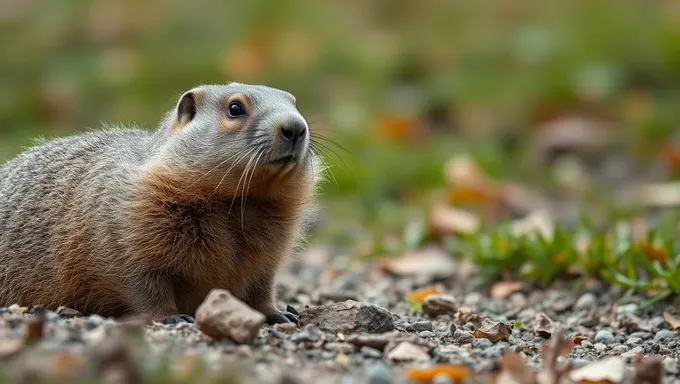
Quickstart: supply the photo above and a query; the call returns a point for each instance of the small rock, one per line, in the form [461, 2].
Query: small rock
[627, 308]
[633, 352]
[599, 347]
[68, 313]
[420, 326]
[349, 317]
[664, 334]
[464, 337]
[670, 365]
[221, 315]
[633, 341]
[657, 322]
[619, 349]
[586, 301]
[543, 326]
[587, 321]
[604, 336]
[379, 373]
[586, 344]
[286, 327]
[345, 348]
[426, 334]
[308, 333]
[482, 344]
[15, 308]
[440, 304]
[642, 335]
[408, 352]
[93, 321]
[452, 328]
[370, 352]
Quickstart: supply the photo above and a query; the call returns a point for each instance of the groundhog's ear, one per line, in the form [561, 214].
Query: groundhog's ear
[186, 108]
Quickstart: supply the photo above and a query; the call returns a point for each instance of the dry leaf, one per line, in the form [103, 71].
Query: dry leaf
[558, 346]
[672, 319]
[422, 294]
[670, 153]
[457, 373]
[647, 370]
[653, 252]
[611, 370]
[399, 128]
[543, 326]
[446, 220]
[493, 330]
[515, 371]
[428, 262]
[504, 289]
[576, 340]
[467, 315]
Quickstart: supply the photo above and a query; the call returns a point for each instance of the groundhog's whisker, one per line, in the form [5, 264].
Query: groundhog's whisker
[239, 182]
[245, 194]
[326, 167]
[232, 167]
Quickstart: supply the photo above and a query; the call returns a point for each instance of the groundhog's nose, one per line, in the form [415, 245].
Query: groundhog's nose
[293, 131]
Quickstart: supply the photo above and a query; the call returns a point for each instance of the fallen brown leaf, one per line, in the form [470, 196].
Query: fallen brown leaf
[445, 220]
[557, 346]
[503, 289]
[576, 340]
[457, 373]
[647, 370]
[514, 370]
[653, 252]
[422, 294]
[611, 370]
[467, 315]
[543, 326]
[672, 319]
[493, 330]
[429, 262]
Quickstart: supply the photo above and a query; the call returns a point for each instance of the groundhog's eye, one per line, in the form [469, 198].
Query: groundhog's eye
[235, 110]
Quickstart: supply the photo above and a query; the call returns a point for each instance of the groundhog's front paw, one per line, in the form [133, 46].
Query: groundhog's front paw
[176, 319]
[282, 317]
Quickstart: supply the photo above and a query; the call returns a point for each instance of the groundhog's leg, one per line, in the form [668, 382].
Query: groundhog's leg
[261, 298]
[153, 298]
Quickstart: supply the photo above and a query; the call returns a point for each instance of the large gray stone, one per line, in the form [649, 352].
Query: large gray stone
[348, 317]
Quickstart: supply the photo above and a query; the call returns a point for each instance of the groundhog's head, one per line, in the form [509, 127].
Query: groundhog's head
[237, 136]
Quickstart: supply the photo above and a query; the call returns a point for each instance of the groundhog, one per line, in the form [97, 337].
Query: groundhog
[130, 222]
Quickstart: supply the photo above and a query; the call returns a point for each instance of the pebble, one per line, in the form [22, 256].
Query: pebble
[586, 344]
[619, 349]
[93, 321]
[482, 344]
[627, 308]
[464, 337]
[370, 352]
[604, 336]
[439, 304]
[426, 334]
[657, 322]
[599, 347]
[349, 317]
[452, 328]
[664, 334]
[633, 352]
[641, 334]
[379, 373]
[586, 301]
[633, 341]
[420, 326]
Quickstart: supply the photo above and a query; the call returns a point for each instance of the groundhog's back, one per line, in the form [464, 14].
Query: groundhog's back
[57, 204]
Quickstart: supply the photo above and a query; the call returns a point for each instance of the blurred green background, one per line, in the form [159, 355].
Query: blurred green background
[401, 85]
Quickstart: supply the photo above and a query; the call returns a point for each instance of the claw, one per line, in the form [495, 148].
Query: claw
[277, 318]
[291, 316]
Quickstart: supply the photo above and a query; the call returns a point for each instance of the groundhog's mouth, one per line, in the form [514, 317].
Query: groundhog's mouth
[289, 159]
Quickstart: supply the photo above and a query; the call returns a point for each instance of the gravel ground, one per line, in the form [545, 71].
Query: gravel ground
[357, 327]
